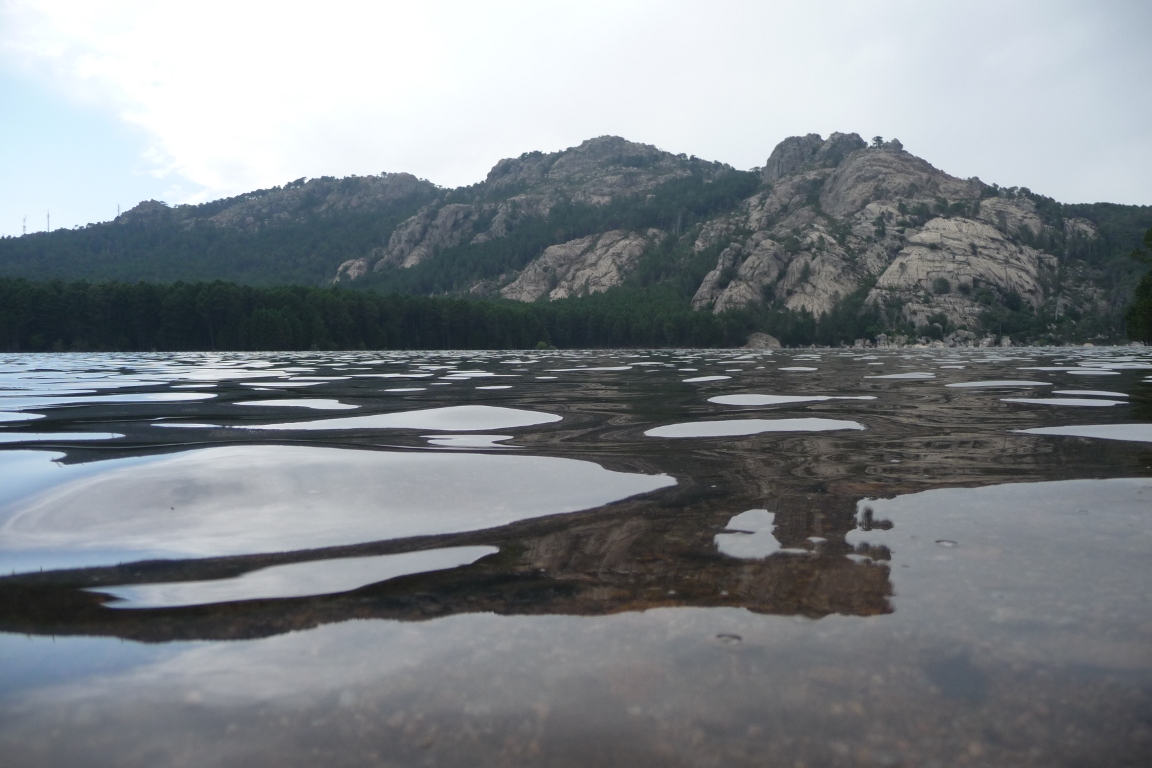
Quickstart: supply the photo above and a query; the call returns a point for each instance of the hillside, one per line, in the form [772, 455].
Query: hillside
[868, 237]
[298, 233]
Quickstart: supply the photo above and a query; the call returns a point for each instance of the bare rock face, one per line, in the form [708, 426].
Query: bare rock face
[593, 173]
[839, 214]
[418, 237]
[762, 341]
[790, 154]
[881, 174]
[796, 152]
[943, 265]
[353, 269]
[579, 267]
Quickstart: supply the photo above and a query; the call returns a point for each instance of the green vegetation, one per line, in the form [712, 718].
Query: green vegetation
[181, 243]
[1139, 316]
[58, 316]
[674, 206]
[81, 316]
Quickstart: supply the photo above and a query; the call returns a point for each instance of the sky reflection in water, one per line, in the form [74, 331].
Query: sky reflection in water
[250, 499]
[315, 577]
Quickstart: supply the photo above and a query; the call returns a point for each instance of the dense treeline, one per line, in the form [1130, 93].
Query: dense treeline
[223, 316]
[80, 316]
[1139, 317]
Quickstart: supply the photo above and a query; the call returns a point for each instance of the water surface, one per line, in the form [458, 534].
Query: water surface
[899, 561]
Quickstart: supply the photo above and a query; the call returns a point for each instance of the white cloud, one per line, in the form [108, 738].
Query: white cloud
[234, 96]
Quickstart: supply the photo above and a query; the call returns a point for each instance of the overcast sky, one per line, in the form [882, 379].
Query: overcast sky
[106, 103]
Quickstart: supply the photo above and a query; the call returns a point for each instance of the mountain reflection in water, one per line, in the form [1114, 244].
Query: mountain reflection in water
[947, 575]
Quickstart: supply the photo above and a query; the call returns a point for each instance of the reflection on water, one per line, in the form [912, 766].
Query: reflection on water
[317, 404]
[911, 375]
[754, 400]
[55, 437]
[250, 499]
[316, 577]
[748, 536]
[468, 441]
[456, 418]
[1136, 432]
[999, 384]
[8, 416]
[738, 427]
[941, 577]
[1084, 402]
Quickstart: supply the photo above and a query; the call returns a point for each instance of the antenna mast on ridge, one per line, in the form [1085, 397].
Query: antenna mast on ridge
[24, 229]
[48, 225]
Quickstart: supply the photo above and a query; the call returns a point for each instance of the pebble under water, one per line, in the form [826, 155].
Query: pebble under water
[908, 557]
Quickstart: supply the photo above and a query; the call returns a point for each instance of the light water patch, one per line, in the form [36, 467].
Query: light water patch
[455, 418]
[1139, 433]
[749, 536]
[911, 375]
[587, 370]
[1076, 401]
[8, 416]
[186, 425]
[757, 400]
[309, 579]
[317, 404]
[293, 497]
[468, 441]
[741, 427]
[998, 384]
[55, 437]
[702, 379]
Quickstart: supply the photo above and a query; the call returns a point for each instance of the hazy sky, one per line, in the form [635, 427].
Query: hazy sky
[106, 103]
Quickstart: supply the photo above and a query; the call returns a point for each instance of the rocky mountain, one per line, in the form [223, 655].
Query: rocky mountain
[836, 214]
[599, 172]
[830, 219]
[834, 235]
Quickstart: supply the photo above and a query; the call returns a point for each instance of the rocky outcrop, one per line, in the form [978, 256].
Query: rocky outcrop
[579, 267]
[295, 202]
[948, 261]
[832, 215]
[839, 214]
[762, 341]
[798, 151]
[325, 196]
[528, 187]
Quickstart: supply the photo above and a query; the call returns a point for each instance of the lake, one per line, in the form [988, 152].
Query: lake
[890, 557]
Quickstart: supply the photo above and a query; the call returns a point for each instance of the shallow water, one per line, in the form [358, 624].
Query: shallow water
[887, 558]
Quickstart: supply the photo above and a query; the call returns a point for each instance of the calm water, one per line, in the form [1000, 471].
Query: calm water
[698, 558]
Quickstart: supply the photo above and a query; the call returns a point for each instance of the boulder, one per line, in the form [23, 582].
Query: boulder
[762, 341]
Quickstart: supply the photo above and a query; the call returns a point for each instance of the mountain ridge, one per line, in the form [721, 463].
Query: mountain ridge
[824, 225]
